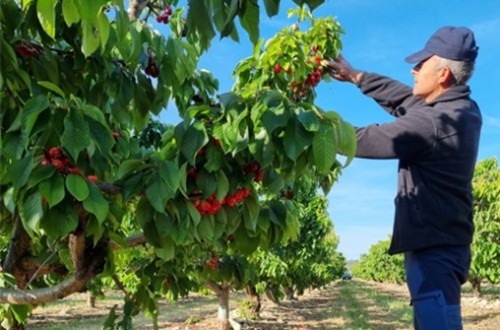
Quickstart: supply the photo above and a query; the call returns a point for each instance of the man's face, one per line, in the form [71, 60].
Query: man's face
[427, 79]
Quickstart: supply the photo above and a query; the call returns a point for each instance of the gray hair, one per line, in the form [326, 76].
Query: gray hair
[461, 70]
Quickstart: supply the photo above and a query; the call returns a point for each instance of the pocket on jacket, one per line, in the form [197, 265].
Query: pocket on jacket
[423, 207]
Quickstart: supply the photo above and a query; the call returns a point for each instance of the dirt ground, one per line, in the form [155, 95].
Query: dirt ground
[315, 310]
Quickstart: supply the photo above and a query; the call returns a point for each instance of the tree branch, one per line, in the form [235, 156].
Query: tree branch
[216, 288]
[135, 8]
[134, 240]
[87, 262]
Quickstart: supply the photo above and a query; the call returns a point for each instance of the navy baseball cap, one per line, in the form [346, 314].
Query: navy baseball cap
[453, 43]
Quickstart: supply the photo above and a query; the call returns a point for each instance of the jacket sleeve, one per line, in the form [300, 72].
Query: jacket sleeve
[411, 134]
[390, 94]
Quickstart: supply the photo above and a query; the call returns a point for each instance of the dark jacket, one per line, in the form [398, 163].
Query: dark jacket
[436, 144]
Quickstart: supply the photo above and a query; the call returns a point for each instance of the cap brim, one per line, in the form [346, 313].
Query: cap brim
[418, 56]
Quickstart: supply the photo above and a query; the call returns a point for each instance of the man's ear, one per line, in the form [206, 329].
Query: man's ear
[446, 76]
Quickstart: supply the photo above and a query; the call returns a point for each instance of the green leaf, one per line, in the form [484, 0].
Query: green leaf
[171, 175]
[96, 203]
[31, 212]
[19, 171]
[296, 140]
[277, 118]
[245, 244]
[94, 113]
[158, 193]
[10, 200]
[53, 189]
[91, 39]
[193, 213]
[77, 186]
[127, 167]
[313, 4]
[59, 221]
[206, 228]
[103, 28]
[52, 87]
[144, 213]
[251, 213]
[272, 7]
[70, 12]
[167, 249]
[40, 173]
[250, 21]
[222, 185]
[199, 22]
[324, 148]
[215, 158]
[21, 312]
[207, 183]
[195, 138]
[32, 110]
[101, 135]
[76, 136]
[46, 16]
[309, 120]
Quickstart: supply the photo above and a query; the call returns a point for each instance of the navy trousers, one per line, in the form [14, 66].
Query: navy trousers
[434, 277]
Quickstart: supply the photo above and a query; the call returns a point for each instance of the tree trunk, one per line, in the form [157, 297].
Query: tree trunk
[223, 315]
[271, 297]
[476, 286]
[222, 294]
[255, 304]
[90, 299]
[289, 293]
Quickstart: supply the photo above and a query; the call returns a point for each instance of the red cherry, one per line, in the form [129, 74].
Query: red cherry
[58, 164]
[75, 170]
[277, 68]
[55, 152]
[92, 178]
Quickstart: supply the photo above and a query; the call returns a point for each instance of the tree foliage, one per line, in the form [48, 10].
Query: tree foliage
[377, 265]
[309, 261]
[486, 244]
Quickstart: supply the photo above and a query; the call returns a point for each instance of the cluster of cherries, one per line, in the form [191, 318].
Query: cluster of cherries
[165, 16]
[299, 89]
[212, 263]
[211, 205]
[55, 157]
[25, 50]
[254, 167]
[152, 69]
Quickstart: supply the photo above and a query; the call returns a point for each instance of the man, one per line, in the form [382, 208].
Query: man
[435, 136]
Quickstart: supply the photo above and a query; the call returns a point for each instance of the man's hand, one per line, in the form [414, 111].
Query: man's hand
[342, 70]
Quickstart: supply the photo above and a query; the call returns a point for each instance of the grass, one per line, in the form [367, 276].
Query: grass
[367, 308]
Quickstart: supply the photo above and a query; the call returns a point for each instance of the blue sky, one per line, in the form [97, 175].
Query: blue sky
[379, 34]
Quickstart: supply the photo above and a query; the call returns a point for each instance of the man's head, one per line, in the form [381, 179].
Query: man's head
[446, 60]
[452, 43]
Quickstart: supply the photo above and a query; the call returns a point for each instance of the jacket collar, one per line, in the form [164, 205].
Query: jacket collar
[457, 92]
